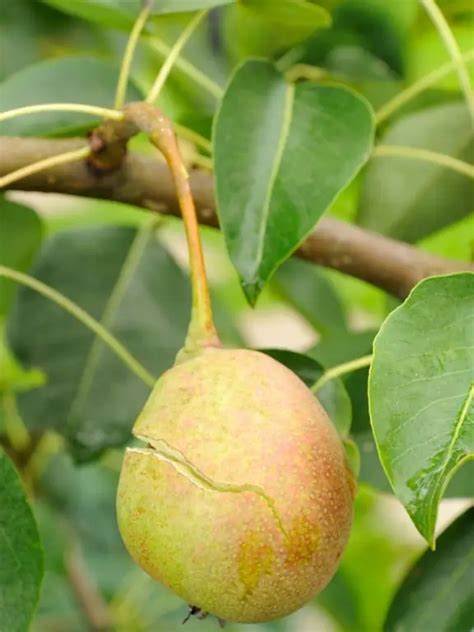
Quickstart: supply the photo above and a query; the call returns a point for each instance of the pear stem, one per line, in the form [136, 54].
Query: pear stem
[202, 331]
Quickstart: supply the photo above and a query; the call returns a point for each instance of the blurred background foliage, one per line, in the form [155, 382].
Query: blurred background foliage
[378, 48]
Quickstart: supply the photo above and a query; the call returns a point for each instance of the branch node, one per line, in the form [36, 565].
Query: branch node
[108, 144]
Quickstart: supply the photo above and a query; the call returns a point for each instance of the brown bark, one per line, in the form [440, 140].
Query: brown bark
[145, 181]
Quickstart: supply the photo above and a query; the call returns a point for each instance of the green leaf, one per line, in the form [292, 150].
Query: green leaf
[355, 64]
[293, 14]
[332, 396]
[410, 199]
[68, 79]
[427, 51]
[121, 14]
[108, 13]
[20, 237]
[305, 287]
[21, 556]
[461, 485]
[172, 6]
[264, 28]
[382, 28]
[352, 455]
[125, 279]
[377, 556]
[421, 388]
[438, 592]
[24, 28]
[339, 346]
[283, 153]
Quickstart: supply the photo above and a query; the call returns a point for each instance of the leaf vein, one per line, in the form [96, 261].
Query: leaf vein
[286, 124]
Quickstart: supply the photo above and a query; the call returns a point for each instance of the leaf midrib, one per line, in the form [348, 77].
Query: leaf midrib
[285, 133]
[449, 453]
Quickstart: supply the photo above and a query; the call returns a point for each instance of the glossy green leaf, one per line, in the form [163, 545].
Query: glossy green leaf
[21, 556]
[20, 238]
[121, 13]
[409, 199]
[438, 592]
[371, 470]
[421, 389]
[305, 287]
[279, 163]
[125, 279]
[333, 396]
[69, 79]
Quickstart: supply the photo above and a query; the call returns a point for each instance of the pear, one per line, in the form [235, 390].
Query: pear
[240, 499]
[242, 503]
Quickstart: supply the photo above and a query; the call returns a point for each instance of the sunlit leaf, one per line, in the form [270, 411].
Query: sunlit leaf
[421, 389]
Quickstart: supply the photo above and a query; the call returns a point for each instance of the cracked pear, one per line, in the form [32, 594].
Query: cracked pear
[240, 500]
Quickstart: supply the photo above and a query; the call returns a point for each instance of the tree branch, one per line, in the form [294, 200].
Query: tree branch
[89, 598]
[145, 181]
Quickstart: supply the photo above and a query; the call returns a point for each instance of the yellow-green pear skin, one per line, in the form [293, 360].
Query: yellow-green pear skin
[241, 503]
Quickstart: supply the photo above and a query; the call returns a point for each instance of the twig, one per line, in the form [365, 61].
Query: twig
[90, 600]
[145, 181]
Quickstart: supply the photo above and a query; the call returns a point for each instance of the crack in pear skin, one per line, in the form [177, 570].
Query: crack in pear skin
[161, 450]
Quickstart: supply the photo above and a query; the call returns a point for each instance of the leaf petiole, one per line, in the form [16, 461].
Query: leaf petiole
[93, 110]
[341, 369]
[425, 155]
[129, 53]
[173, 55]
[431, 79]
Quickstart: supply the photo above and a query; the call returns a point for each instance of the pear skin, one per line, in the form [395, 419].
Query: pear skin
[240, 500]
